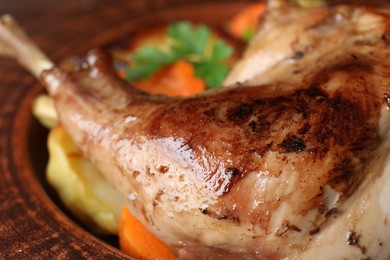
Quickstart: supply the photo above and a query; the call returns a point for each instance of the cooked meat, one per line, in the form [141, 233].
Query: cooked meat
[291, 162]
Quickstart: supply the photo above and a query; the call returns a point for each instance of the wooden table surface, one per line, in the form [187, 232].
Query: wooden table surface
[25, 11]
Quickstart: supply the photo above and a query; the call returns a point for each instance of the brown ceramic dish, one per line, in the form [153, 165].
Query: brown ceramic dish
[32, 222]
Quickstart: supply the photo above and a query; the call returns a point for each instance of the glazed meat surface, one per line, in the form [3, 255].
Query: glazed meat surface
[288, 162]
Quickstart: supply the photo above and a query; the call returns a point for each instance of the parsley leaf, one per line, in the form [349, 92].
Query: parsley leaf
[150, 54]
[187, 43]
[213, 73]
[141, 71]
[148, 61]
[188, 40]
[221, 51]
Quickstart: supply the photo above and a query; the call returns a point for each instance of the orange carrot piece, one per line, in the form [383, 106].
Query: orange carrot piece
[177, 79]
[246, 20]
[137, 241]
[121, 74]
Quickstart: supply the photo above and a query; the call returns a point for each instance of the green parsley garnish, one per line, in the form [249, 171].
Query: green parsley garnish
[189, 43]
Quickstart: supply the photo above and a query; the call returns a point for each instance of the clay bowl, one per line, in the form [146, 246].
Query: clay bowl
[33, 223]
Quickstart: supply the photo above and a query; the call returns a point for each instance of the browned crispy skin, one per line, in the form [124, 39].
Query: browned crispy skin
[325, 135]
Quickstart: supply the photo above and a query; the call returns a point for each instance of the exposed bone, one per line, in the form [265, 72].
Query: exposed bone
[15, 43]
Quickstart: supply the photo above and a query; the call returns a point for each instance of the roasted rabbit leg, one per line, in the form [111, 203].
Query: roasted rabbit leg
[292, 165]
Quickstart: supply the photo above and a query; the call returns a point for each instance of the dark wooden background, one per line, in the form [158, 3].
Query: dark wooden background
[25, 11]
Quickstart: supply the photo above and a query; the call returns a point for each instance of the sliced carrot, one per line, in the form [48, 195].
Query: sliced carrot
[121, 74]
[137, 241]
[246, 21]
[177, 79]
